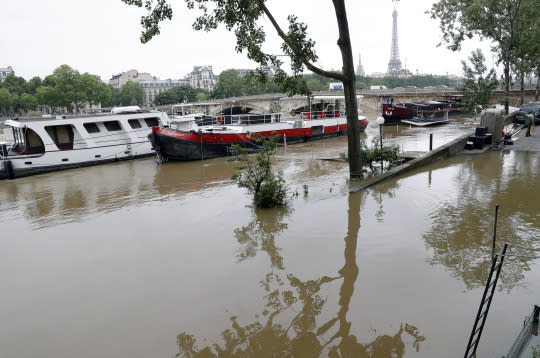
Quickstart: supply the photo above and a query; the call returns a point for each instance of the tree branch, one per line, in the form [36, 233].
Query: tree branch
[309, 65]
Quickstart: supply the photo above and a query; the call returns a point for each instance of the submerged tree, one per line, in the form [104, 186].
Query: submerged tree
[242, 17]
[478, 86]
[268, 189]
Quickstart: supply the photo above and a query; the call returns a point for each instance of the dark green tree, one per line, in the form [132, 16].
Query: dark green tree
[499, 21]
[243, 18]
[32, 85]
[132, 94]
[229, 84]
[178, 94]
[257, 176]
[48, 96]
[478, 84]
[67, 82]
[28, 101]
[94, 90]
[14, 84]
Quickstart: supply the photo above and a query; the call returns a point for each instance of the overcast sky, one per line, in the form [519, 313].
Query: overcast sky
[102, 37]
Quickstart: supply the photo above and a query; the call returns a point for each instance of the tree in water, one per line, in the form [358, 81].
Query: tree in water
[478, 86]
[267, 188]
[243, 17]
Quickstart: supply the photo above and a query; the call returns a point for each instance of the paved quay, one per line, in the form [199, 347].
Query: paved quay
[525, 144]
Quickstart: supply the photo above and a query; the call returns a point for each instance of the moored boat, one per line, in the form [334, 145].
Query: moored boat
[421, 110]
[192, 138]
[48, 143]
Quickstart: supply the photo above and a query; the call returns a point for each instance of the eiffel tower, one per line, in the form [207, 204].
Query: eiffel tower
[394, 65]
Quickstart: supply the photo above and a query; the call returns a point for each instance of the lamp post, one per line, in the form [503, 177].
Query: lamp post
[380, 122]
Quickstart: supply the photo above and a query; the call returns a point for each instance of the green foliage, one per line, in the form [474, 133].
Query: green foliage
[477, 86]
[268, 189]
[535, 351]
[388, 154]
[131, 94]
[230, 84]
[244, 19]
[65, 87]
[509, 24]
[178, 94]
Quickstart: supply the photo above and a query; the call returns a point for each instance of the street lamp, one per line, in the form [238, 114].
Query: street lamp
[380, 122]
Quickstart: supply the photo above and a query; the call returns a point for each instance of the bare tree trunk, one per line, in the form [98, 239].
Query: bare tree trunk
[506, 86]
[522, 88]
[349, 88]
[537, 93]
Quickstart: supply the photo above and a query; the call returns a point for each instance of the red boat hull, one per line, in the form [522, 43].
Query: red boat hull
[177, 145]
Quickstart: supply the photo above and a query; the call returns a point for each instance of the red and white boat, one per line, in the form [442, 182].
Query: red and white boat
[197, 136]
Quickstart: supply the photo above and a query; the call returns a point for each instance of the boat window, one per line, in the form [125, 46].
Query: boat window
[62, 136]
[33, 142]
[134, 123]
[112, 126]
[152, 122]
[91, 127]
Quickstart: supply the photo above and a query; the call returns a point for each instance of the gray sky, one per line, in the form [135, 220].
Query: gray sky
[102, 37]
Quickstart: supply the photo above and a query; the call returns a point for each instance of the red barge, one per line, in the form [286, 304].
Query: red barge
[396, 113]
[198, 136]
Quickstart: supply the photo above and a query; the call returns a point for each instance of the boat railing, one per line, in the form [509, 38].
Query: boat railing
[240, 119]
[321, 114]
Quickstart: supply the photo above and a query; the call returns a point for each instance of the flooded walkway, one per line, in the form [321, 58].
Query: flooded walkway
[135, 259]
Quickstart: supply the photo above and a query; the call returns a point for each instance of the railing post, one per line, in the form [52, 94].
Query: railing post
[430, 142]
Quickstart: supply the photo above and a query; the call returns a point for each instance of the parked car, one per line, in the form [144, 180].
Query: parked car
[527, 108]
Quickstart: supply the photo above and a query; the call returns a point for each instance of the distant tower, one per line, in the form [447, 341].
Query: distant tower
[395, 64]
[360, 68]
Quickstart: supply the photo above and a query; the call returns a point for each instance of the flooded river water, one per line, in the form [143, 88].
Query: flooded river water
[136, 259]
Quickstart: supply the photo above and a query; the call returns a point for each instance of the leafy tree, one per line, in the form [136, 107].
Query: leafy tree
[477, 86]
[230, 84]
[48, 95]
[267, 188]
[68, 83]
[132, 94]
[94, 90]
[166, 97]
[32, 85]
[8, 100]
[500, 21]
[28, 101]
[14, 84]
[242, 17]
[178, 94]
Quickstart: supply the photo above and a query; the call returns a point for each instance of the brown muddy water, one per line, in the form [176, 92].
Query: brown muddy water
[136, 259]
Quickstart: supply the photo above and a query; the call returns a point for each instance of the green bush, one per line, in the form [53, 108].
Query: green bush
[268, 189]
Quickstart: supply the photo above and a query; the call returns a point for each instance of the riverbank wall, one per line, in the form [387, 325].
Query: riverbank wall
[450, 149]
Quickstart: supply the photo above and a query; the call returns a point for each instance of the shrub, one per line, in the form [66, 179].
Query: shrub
[268, 189]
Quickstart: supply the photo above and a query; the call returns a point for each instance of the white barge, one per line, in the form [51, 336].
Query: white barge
[46, 144]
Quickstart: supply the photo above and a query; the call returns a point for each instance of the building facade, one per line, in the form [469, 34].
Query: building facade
[203, 77]
[4, 72]
[154, 87]
[117, 81]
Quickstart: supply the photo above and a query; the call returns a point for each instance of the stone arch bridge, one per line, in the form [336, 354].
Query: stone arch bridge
[369, 102]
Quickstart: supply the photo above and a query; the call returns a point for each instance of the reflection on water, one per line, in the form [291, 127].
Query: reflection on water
[291, 326]
[462, 229]
[68, 196]
[123, 257]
